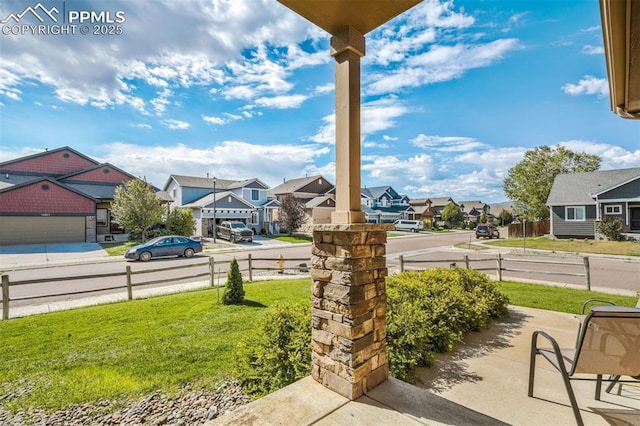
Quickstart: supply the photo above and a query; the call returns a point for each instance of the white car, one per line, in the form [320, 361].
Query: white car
[409, 225]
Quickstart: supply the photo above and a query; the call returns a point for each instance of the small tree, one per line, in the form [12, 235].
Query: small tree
[452, 214]
[180, 221]
[234, 292]
[136, 206]
[292, 214]
[505, 217]
[483, 217]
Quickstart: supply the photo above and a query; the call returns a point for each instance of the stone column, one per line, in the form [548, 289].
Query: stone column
[348, 268]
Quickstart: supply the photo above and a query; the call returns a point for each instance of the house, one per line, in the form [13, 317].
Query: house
[315, 192]
[431, 208]
[577, 201]
[497, 211]
[213, 200]
[472, 210]
[382, 204]
[56, 196]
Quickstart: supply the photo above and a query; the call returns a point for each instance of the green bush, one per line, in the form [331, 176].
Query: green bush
[233, 292]
[429, 311]
[611, 228]
[180, 222]
[278, 353]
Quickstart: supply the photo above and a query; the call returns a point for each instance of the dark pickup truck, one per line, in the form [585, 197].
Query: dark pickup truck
[486, 230]
[234, 231]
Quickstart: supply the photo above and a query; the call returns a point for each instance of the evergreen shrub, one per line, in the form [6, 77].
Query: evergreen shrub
[278, 352]
[429, 311]
[234, 291]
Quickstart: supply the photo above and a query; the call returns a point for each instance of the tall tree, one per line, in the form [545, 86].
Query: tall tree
[136, 206]
[291, 215]
[452, 214]
[529, 182]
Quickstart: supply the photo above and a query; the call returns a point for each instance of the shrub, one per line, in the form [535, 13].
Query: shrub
[234, 292]
[429, 311]
[611, 228]
[463, 225]
[278, 353]
[472, 225]
[180, 221]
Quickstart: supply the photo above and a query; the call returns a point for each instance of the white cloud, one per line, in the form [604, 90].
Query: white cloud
[392, 170]
[447, 144]
[228, 160]
[593, 50]
[281, 102]
[613, 157]
[440, 63]
[589, 85]
[376, 116]
[176, 124]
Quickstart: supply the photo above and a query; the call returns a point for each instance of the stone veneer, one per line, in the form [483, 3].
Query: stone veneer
[348, 268]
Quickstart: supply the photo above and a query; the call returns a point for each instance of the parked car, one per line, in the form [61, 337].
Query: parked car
[167, 245]
[486, 230]
[408, 225]
[234, 231]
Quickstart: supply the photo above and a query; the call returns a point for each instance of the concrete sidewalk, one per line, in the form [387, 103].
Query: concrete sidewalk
[483, 382]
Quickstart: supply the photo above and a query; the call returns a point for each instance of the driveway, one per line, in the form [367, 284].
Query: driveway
[45, 254]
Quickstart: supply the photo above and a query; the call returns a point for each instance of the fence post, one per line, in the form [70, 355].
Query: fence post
[129, 287]
[5, 297]
[466, 261]
[499, 260]
[211, 271]
[587, 273]
[250, 269]
[401, 258]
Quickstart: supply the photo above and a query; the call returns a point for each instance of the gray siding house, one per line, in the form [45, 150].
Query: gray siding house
[577, 201]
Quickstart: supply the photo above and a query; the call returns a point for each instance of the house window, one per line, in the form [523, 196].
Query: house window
[254, 217]
[575, 213]
[255, 195]
[613, 209]
[101, 217]
[174, 193]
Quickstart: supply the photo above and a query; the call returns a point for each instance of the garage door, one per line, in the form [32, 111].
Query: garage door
[38, 229]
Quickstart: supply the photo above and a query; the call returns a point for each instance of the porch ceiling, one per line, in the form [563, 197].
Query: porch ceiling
[621, 34]
[335, 16]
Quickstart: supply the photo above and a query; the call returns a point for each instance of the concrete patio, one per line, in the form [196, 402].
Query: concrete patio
[483, 382]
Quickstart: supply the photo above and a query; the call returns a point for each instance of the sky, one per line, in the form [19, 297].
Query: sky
[453, 92]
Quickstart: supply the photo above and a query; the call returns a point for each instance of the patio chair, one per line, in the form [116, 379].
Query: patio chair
[585, 307]
[608, 344]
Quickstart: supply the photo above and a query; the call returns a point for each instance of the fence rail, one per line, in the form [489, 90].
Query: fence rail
[281, 264]
[501, 268]
[130, 283]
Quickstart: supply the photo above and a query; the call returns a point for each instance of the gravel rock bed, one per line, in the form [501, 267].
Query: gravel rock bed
[188, 407]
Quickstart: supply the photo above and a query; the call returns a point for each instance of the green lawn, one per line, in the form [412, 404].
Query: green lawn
[134, 348]
[130, 348]
[621, 248]
[295, 239]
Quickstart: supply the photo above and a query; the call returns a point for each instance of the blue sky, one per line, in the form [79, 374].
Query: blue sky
[453, 92]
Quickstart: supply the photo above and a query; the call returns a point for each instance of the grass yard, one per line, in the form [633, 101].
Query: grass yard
[295, 239]
[134, 348]
[621, 248]
[130, 348]
[118, 249]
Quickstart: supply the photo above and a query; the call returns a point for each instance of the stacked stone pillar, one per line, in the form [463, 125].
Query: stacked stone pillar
[348, 268]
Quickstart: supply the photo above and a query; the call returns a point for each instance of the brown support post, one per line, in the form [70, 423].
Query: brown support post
[129, 286]
[499, 267]
[211, 272]
[250, 269]
[587, 273]
[5, 297]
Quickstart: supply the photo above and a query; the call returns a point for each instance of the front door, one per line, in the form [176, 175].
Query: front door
[635, 218]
